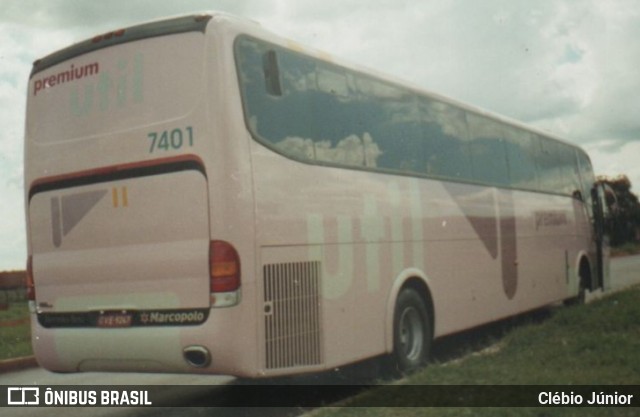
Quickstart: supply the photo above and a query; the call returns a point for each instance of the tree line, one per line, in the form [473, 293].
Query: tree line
[624, 211]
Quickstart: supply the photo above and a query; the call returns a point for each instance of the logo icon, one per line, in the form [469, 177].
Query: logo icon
[23, 396]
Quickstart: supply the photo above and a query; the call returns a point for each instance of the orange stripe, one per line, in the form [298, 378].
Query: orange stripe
[114, 196]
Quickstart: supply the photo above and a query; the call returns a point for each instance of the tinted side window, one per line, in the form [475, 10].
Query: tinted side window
[309, 115]
[446, 140]
[321, 112]
[488, 153]
[315, 111]
[521, 149]
[558, 168]
[587, 177]
[387, 116]
[586, 173]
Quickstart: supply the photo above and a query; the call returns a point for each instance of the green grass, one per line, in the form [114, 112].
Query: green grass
[592, 344]
[15, 341]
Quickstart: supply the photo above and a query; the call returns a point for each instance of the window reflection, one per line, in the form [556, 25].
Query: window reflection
[312, 110]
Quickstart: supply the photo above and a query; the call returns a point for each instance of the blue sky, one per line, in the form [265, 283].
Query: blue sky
[566, 66]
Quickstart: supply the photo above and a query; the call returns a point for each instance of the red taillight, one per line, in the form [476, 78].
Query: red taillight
[224, 267]
[31, 289]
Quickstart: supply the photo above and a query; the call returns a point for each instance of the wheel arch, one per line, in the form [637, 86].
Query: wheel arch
[409, 278]
[583, 271]
[580, 280]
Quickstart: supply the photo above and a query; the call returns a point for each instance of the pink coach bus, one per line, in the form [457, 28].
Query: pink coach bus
[204, 196]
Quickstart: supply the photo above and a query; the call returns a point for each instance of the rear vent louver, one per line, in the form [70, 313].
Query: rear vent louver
[292, 314]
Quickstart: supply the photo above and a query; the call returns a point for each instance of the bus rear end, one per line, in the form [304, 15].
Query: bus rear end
[123, 272]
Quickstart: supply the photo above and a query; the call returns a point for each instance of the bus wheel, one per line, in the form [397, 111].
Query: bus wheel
[584, 279]
[412, 333]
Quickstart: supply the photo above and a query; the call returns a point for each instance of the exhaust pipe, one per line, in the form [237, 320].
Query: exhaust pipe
[197, 356]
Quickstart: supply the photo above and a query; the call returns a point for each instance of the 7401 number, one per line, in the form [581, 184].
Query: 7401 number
[168, 140]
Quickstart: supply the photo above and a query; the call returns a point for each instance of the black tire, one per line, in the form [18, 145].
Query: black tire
[412, 333]
[581, 297]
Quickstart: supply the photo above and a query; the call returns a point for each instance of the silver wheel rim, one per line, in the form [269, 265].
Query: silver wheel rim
[411, 334]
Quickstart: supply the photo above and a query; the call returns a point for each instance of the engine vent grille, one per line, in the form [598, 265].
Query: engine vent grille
[292, 314]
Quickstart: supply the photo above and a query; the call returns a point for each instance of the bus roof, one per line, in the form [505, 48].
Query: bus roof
[183, 24]
[197, 22]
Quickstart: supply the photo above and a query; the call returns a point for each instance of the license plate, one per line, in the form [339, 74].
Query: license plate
[114, 320]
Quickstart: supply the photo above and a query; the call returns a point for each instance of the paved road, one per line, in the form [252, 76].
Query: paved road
[625, 272]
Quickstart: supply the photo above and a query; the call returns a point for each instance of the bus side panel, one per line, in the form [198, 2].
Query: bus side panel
[487, 253]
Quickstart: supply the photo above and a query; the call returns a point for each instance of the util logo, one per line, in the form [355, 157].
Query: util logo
[399, 241]
[112, 87]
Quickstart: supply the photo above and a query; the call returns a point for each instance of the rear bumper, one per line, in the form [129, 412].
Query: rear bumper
[138, 349]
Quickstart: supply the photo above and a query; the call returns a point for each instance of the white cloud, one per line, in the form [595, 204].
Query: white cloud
[610, 163]
[20, 46]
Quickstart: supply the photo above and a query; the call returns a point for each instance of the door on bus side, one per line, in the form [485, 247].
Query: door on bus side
[604, 203]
